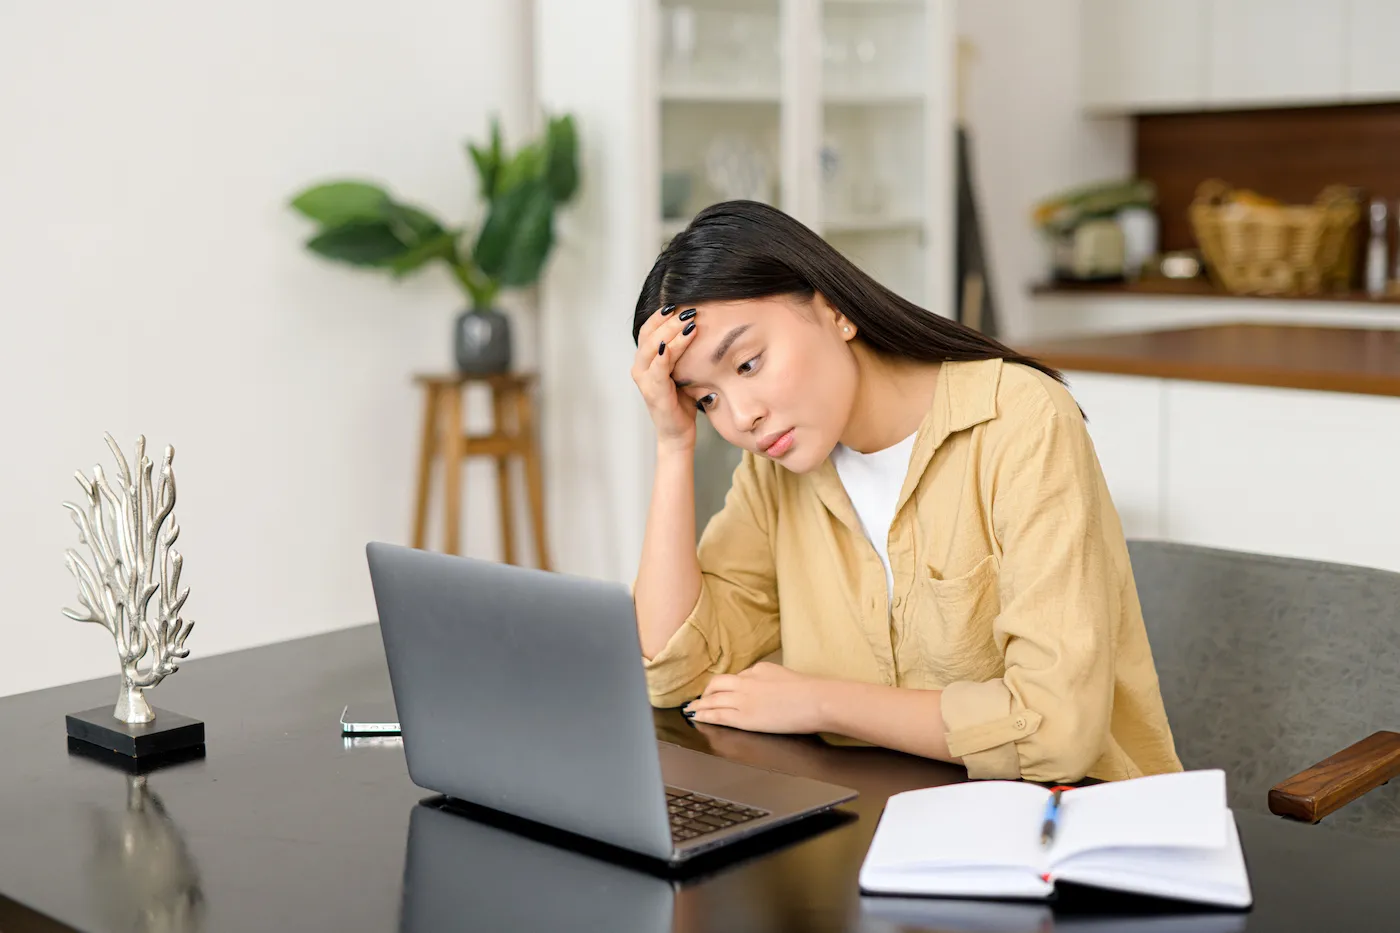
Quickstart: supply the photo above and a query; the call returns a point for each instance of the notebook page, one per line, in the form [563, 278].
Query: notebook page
[1205, 875]
[974, 825]
[1161, 811]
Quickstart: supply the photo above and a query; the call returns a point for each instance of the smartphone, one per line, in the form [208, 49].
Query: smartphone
[369, 719]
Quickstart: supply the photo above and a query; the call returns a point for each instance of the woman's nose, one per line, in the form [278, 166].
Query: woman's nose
[748, 413]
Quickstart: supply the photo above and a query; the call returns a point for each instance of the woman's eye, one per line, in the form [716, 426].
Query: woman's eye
[750, 366]
[705, 403]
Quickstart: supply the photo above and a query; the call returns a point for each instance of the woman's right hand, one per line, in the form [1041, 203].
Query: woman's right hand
[660, 343]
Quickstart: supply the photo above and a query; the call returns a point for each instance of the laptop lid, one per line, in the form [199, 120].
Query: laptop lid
[522, 691]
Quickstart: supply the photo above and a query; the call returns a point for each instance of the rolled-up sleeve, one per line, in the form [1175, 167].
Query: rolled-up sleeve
[735, 619]
[1047, 718]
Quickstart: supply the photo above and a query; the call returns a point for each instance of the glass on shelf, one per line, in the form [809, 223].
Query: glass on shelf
[719, 51]
[872, 50]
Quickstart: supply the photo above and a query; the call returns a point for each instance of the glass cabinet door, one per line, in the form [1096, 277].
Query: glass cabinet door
[721, 97]
[721, 102]
[874, 156]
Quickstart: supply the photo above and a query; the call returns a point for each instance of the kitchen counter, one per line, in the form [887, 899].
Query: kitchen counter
[1333, 359]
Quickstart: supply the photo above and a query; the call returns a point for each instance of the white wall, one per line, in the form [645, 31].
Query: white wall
[1028, 136]
[597, 433]
[152, 280]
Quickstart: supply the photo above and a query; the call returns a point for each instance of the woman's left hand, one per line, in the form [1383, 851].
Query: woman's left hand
[765, 698]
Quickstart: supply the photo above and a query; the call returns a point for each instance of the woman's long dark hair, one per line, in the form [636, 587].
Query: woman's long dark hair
[744, 249]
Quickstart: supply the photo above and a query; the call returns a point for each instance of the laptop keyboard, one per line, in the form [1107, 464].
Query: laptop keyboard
[695, 815]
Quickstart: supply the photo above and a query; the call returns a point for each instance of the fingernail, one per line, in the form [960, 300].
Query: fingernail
[661, 349]
[688, 713]
[667, 310]
[687, 315]
[688, 328]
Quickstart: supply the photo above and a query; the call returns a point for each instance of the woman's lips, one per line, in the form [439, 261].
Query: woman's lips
[781, 445]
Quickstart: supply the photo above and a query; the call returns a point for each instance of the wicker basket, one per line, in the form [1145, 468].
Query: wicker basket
[1253, 247]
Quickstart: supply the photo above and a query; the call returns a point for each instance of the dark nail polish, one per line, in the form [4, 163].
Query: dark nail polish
[688, 328]
[661, 349]
[667, 310]
[687, 315]
[688, 713]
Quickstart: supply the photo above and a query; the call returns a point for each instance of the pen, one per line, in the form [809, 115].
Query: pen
[1052, 815]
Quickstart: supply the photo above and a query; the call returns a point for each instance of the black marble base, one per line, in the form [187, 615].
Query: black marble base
[146, 764]
[167, 734]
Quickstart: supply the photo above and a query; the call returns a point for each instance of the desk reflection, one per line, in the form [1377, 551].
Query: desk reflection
[950, 915]
[461, 874]
[144, 878]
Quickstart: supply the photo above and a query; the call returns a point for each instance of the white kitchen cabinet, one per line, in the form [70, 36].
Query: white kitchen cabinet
[1283, 471]
[1125, 423]
[1249, 468]
[1277, 51]
[1373, 50]
[1142, 55]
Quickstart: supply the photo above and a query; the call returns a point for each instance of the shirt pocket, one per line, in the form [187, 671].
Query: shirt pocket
[953, 627]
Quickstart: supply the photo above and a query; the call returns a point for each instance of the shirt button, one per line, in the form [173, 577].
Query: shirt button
[1021, 723]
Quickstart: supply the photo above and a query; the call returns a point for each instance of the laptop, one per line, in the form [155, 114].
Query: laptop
[523, 691]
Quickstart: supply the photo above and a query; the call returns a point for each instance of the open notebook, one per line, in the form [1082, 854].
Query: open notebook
[1168, 835]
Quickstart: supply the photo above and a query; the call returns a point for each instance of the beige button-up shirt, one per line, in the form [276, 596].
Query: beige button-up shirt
[1013, 593]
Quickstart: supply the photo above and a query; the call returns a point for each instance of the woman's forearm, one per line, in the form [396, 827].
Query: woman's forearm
[893, 717]
[668, 580]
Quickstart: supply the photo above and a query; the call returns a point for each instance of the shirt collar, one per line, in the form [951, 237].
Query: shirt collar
[965, 395]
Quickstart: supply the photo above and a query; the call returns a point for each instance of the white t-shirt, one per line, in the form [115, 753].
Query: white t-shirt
[873, 483]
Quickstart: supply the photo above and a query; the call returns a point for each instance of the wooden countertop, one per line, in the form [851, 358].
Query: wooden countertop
[1333, 359]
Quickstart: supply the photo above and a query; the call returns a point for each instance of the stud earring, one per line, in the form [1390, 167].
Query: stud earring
[846, 330]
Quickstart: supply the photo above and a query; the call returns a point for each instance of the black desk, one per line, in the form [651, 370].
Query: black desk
[284, 827]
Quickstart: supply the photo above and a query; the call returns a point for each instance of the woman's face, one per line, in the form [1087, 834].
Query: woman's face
[774, 376]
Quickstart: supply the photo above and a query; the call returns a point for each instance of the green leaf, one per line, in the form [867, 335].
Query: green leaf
[442, 246]
[361, 243]
[488, 161]
[411, 225]
[518, 234]
[526, 166]
[561, 160]
[486, 169]
[342, 202]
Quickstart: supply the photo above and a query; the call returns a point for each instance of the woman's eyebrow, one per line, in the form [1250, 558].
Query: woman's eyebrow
[728, 342]
[720, 351]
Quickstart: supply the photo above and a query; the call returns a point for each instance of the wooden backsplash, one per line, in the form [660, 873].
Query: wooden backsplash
[1287, 154]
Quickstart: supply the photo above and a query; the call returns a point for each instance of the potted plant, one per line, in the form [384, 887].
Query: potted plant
[361, 224]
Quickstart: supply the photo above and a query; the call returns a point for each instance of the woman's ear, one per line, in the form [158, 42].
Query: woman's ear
[827, 312]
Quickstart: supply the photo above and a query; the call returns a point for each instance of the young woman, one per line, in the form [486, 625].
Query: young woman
[919, 522]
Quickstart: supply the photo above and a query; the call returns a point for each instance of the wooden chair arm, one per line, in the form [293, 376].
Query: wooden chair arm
[1328, 785]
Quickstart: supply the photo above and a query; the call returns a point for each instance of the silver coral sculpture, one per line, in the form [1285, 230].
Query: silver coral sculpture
[132, 587]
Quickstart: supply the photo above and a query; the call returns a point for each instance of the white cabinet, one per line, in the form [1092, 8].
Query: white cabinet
[1277, 51]
[1373, 50]
[1144, 54]
[1249, 468]
[1125, 424]
[1283, 471]
[1140, 56]
[836, 110]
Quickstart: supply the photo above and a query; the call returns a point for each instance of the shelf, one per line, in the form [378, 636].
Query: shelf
[873, 223]
[915, 5]
[892, 97]
[1193, 288]
[717, 93]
